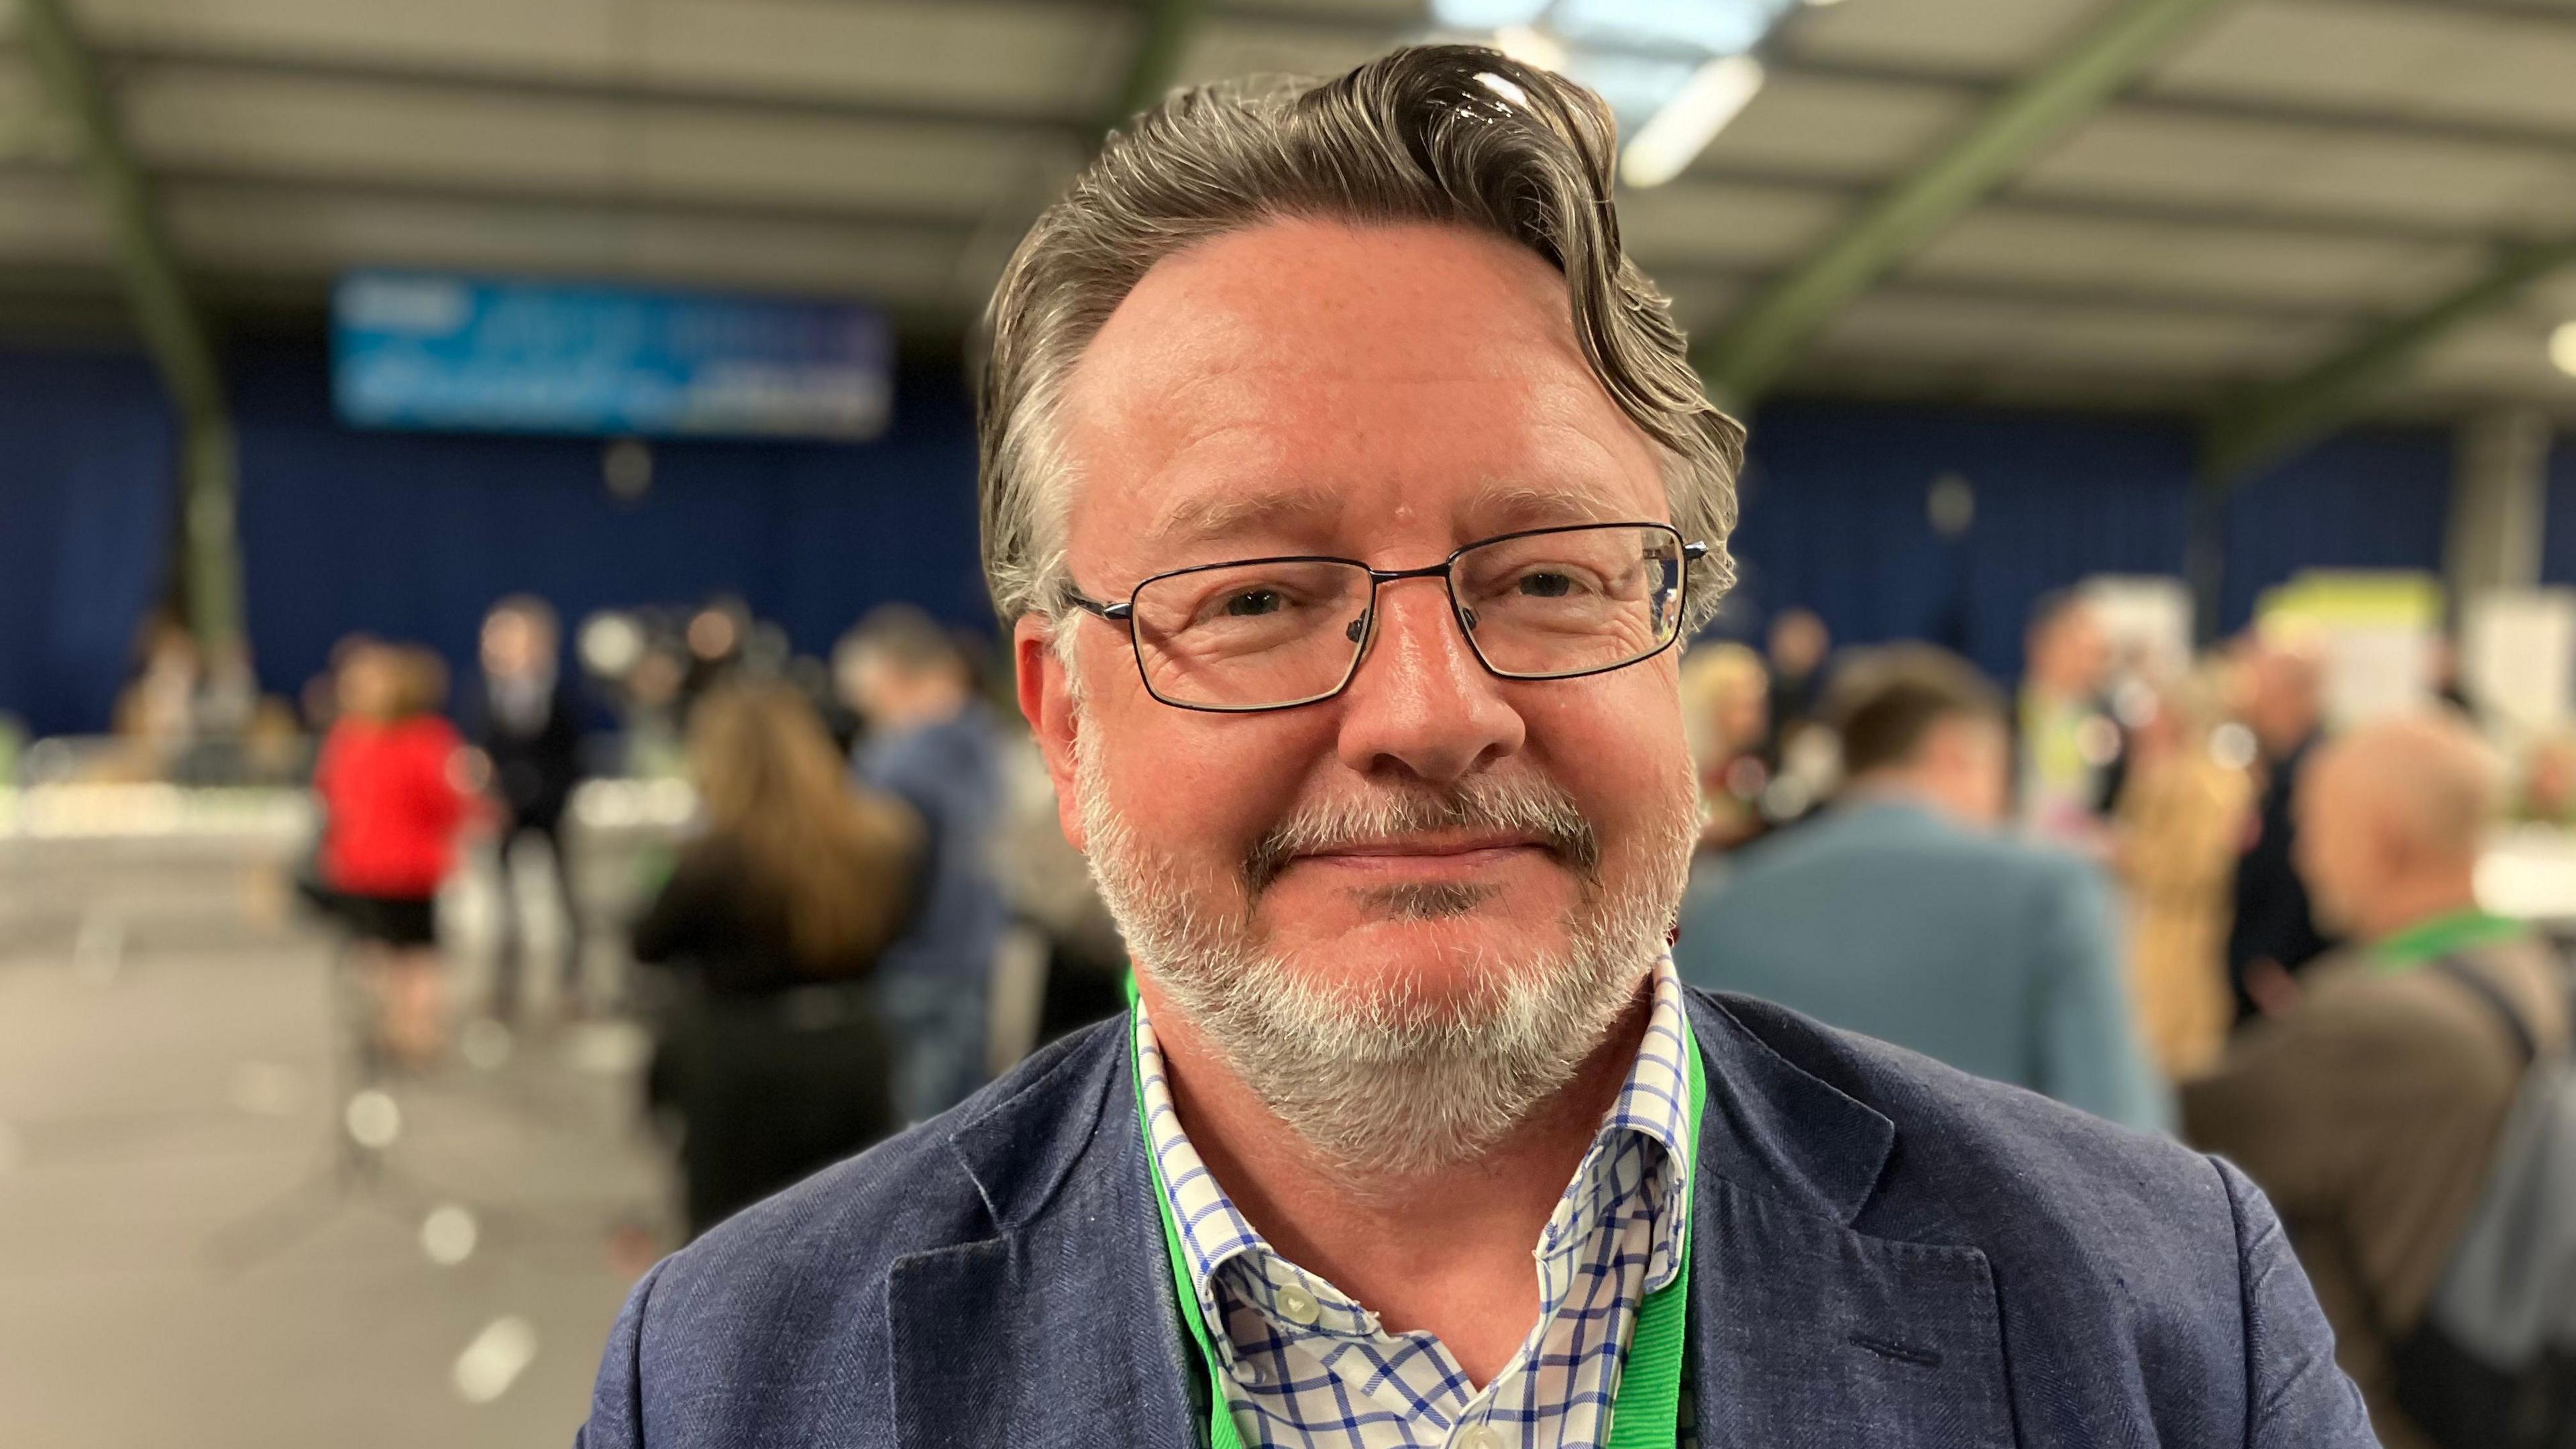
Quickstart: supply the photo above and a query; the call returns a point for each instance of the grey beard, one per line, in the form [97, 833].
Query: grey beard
[1387, 1082]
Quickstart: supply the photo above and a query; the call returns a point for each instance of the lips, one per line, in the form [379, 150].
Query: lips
[1436, 860]
[1425, 847]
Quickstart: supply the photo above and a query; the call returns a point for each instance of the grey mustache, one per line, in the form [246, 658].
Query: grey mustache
[1518, 807]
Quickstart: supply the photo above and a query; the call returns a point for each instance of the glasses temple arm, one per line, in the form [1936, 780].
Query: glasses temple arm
[1115, 613]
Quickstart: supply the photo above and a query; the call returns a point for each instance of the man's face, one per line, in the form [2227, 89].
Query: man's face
[1799, 642]
[2073, 654]
[2284, 706]
[870, 684]
[515, 645]
[1385, 394]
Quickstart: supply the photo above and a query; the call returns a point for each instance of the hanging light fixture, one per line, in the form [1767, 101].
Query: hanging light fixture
[1674, 72]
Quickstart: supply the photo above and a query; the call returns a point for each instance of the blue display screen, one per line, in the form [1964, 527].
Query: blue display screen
[442, 352]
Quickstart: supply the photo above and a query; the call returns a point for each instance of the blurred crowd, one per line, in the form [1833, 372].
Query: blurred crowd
[822, 951]
[2183, 901]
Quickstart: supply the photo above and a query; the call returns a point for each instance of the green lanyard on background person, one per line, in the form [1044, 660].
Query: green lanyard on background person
[2447, 934]
[1647, 1412]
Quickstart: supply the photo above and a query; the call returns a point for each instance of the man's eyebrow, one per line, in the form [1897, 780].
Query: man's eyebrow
[1219, 515]
[1504, 505]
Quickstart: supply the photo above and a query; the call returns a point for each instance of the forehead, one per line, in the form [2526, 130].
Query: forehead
[1346, 374]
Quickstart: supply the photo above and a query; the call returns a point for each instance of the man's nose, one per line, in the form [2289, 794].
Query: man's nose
[1421, 702]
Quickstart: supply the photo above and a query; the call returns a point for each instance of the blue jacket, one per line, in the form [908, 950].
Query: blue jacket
[1887, 1254]
[950, 773]
[1995, 956]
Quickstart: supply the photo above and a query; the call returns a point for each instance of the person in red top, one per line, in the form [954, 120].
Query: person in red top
[393, 801]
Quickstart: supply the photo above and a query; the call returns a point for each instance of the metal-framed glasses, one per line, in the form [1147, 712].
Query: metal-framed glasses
[1275, 633]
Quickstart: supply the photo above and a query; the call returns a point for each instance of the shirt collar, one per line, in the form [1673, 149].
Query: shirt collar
[1653, 1103]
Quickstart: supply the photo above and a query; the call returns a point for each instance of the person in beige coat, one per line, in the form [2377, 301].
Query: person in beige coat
[2182, 817]
[2369, 1110]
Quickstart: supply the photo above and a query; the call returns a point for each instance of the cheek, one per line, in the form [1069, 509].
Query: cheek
[1618, 744]
[1199, 786]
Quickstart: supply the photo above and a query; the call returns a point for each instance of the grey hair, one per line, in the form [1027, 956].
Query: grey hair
[1440, 133]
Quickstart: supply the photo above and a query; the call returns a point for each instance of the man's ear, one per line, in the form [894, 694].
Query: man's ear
[1046, 698]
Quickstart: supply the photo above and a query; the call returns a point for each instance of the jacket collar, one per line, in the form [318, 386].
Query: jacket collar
[1061, 1329]
[1779, 1132]
[1019, 1147]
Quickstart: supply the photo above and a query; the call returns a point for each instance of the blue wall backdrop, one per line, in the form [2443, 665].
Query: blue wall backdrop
[1835, 517]
[85, 513]
[2366, 499]
[413, 535]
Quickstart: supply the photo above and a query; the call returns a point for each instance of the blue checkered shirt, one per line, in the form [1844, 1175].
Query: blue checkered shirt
[1305, 1365]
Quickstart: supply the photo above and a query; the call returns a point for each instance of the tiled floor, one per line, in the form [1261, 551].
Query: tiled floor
[177, 1264]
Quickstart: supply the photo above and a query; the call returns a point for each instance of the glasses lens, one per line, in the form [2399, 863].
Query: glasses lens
[1249, 636]
[1573, 601]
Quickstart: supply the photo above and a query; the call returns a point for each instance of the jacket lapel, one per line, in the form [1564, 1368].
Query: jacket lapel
[1060, 1330]
[1805, 1331]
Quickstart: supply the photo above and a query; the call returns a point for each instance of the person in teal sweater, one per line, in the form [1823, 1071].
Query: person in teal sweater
[1903, 914]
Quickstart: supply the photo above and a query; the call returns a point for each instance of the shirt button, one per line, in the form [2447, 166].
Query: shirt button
[1298, 1307]
[1483, 1436]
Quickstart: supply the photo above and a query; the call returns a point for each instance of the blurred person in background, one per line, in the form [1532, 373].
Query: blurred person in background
[2370, 1111]
[522, 716]
[2070, 744]
[932, 743]
[1800, 648]
[158, 706]
[2548, 793]
[1726, 713]
[2274, 934]
[1051, 890]
[1904, 914]
[2182, 816]
[655, 713]
[717, 637]
[2444, 679]
[317, 704]
[772, 1054]
[391, 781]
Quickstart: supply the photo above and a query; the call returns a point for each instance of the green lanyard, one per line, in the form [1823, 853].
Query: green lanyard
[1647, 1412]
[2441, 936]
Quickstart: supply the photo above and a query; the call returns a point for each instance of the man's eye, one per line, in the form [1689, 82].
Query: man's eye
[1253, 603]
[1546, 585]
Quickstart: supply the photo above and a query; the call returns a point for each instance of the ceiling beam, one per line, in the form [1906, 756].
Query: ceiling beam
[2327, 224]
[619, 200]
[1762, 340]
[2547, 13]
[136, 62]
[173, 330]
[2161, 302]
[2361, 122]
[1166, 29]
[2282, 416]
